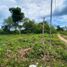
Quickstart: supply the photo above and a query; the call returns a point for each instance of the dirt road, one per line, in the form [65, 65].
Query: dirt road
[61, 38]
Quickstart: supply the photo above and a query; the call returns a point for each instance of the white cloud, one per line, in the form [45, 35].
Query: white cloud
[38, 8]
[33, 9]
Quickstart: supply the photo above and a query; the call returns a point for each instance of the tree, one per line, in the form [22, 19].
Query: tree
[8, 21]
[6, 29]
[29, 25]
[46, 26]
[17, 15]
[7, 25]
[59, 28]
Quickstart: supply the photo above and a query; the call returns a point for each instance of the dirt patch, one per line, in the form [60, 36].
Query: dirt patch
[23, 52]
[63, 39]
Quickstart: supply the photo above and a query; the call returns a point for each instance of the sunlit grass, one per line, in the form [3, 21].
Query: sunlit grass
[54, 55]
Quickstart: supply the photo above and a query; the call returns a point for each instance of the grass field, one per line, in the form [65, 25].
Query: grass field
[23, 50]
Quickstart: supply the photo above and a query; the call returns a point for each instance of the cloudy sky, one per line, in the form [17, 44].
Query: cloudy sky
[36, 9]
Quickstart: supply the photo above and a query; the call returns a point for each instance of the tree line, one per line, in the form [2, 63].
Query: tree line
[18, 23]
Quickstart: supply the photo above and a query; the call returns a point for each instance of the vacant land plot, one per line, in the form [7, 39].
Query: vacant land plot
[23, 50]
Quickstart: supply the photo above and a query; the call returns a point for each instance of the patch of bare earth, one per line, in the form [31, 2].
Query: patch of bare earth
[19, 55]
[47, 57]
[62, 38]
[23, 52]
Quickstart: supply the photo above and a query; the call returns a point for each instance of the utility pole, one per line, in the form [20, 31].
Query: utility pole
[51, 5]
[43, 25]
[43, 30]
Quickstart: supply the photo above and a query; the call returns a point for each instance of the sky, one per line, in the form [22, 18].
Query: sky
[36, 10]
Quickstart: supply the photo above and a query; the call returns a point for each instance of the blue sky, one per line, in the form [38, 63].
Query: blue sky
[36, 9]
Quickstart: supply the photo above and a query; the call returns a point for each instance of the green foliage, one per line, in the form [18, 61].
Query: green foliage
[6, 29]
[64, 33]
[17, 15]
[8, 21]
[59, 28]
[32, 27]
[37, 52]
[29, 26]
[54, 55]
